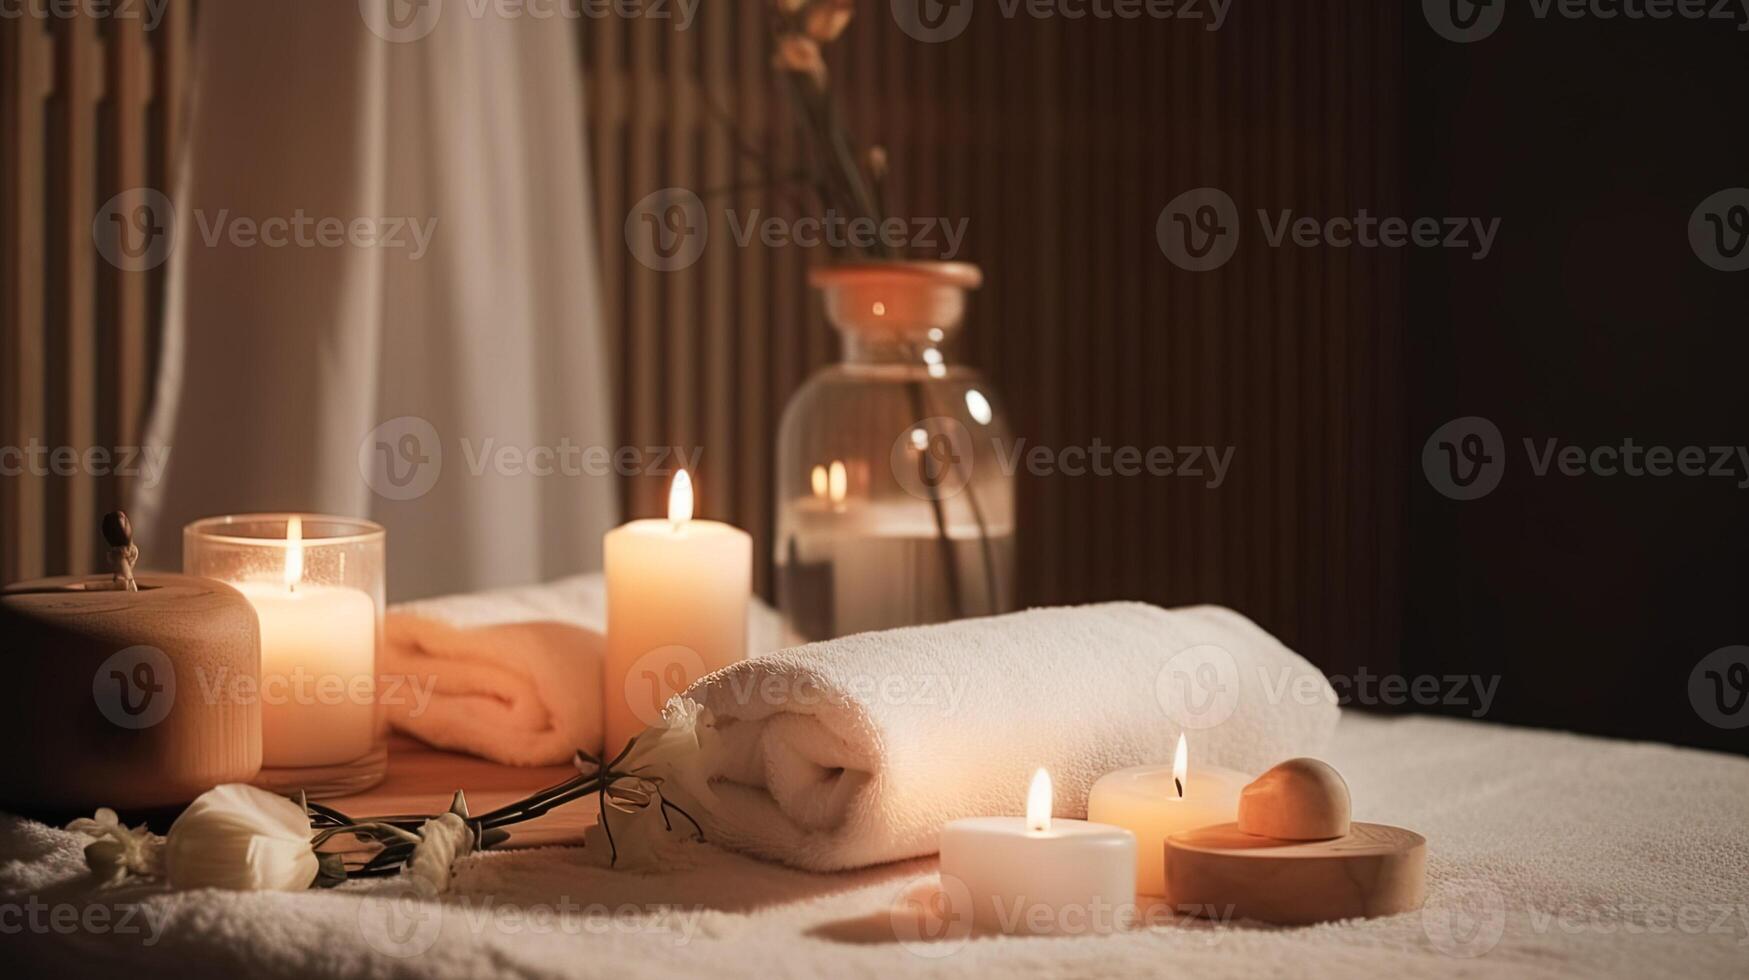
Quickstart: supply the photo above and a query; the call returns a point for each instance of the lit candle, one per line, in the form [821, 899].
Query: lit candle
[1155, 802]
[318, 666]
[677, 593]
[1038, 874]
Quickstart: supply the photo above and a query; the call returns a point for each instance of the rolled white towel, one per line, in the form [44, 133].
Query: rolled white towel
[856, 751]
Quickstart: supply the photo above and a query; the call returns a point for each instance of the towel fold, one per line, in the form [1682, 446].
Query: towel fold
[512, 675]
[856, 751]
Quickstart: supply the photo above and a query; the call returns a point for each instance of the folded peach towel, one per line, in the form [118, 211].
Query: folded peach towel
[512, 675]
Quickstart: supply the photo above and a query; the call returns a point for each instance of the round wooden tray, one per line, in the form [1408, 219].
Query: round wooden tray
[1374, 870]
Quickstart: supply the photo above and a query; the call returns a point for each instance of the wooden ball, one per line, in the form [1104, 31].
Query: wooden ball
[1300, 799]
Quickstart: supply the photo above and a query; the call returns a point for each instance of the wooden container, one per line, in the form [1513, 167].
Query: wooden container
[138, 701]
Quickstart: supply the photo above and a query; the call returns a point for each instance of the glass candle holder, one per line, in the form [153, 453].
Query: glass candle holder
[316, 583]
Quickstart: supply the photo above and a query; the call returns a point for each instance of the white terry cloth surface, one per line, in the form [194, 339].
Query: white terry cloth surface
[1572, 856]
[855, 751]
[513, 675]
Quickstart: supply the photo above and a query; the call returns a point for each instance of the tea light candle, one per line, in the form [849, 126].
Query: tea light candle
[1039, 874]
[318, 665]
[1155, 802]
[677, 593]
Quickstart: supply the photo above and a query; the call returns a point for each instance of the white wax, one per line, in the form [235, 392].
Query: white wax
[1144, 800]
[318, 673]
[1075, 878]
[676, 610]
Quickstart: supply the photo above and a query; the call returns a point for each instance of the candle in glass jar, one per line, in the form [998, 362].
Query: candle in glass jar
[1039, 874]
[677, 593]
[1155, 802]
[318, 666]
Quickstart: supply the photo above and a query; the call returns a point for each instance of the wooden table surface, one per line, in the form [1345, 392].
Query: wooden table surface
[422, 779]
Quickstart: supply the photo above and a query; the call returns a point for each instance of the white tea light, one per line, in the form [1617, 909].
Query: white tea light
[1037, 874]
[1155, 802]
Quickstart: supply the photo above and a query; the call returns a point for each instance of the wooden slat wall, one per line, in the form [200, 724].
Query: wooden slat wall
[92, 106]
[1061, 141]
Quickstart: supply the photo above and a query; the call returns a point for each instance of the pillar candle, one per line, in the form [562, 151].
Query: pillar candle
[1155, 802]
[1039, 874]
[677, 594]
[318, 666]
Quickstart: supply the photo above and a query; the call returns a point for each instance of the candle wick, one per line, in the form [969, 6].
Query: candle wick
[1180, 784]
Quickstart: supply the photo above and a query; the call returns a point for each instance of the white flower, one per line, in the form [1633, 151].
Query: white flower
[442, 840]
[678, 751]
[239, 837]
[642, 841]
[116, 851]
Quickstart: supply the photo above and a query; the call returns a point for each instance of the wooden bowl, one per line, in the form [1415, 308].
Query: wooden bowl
[138, 701]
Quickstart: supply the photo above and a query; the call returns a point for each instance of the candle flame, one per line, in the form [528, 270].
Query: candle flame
[1181, 764]
[294, 552]
[1038, 802]
[818, 480]
[837, 482]
[680, 500]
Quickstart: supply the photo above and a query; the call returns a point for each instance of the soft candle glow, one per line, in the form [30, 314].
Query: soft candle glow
[1038, 803]
[677, 592]
[1181, 765]
[1155, 802]
[294, 552]
[1034, 874]
[680, 500]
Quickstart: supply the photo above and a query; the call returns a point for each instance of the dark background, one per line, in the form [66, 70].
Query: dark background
[1593, 321]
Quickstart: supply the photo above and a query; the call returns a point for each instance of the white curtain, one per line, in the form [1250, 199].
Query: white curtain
[427, 330]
